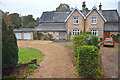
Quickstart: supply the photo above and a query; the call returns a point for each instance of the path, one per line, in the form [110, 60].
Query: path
[57, 61]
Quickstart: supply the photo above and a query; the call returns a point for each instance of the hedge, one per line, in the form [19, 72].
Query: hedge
[88, 61]
[81, 40]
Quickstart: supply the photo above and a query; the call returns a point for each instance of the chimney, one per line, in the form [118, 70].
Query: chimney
[84, 8]
[100, 7]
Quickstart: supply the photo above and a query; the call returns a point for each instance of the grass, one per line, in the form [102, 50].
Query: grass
[28, 54]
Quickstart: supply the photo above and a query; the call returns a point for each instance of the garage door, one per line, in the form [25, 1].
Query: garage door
[62, 35]
[18, 35]
[27, 36]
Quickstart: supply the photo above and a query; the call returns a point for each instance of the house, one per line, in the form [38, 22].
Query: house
[64, 25]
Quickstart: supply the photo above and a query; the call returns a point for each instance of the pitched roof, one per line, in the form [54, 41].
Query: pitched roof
[112, 27]
[25, 29]
[111, 15]
[54, 16]
[51, 27]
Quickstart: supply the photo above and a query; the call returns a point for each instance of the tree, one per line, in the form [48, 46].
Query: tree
[7, 19]
[16, 20]
[9, 49]
[37, 21]
[63, 7]
[27, 19]
[31, 24]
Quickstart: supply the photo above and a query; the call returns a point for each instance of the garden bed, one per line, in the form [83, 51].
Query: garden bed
[25, 56]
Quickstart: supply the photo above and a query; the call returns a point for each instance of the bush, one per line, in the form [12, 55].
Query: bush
[46, 37]
[88, 61]
[50, 36]
[118, 38]
[101, 38]
[32, 66]
[39, 36]
[114, 37]
[9, 49]
[88, 33]
[81, 40]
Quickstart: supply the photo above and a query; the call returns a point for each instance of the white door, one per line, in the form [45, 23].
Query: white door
[18, 35]
[27, 36]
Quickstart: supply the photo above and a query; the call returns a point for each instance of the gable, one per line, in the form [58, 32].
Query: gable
[95, 9]
[74, 11]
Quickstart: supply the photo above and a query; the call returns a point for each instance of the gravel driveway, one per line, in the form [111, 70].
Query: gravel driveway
[57, 61]
[110, 61]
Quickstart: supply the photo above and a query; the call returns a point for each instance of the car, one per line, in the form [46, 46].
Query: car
[108, 42]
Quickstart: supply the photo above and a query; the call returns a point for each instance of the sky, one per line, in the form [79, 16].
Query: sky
[37, 7]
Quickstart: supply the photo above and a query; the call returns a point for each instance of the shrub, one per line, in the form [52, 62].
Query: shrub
[81, 32]
[9, 49]
[87, 39]
[50, 36]
[101, 38]
[39, 36]
[88, 61]
[32, 66]
[46, 37]
[114, 37]
[88, 33]
[118, 38]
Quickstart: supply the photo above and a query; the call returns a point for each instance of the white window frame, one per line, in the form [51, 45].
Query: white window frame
[75, 32]
[75, 19]
[94, 32]
[94, 20]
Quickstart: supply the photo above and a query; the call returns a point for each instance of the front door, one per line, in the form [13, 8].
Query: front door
[62, 35]
[106, 35]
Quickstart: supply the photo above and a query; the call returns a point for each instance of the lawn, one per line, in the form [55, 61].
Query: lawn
[28, 54]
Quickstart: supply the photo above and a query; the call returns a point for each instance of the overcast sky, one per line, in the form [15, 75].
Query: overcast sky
[36, 7]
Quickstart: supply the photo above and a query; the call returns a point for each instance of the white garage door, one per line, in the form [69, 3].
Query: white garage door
[18, 35]
[27, 36]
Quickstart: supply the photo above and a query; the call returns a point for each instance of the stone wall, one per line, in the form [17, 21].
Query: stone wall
[99, 26]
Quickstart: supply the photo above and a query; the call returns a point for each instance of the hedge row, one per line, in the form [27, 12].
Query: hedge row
[88, 61]
[81, 40]
[88, 58]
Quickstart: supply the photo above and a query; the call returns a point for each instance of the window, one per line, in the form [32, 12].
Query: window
[76, 32]
[94, 32]
[94, 20]
[75, 19]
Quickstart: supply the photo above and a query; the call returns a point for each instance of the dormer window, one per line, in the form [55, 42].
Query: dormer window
[75, 20]
[94, 20]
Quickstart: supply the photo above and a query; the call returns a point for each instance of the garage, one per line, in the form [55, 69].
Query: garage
[62, 35]
[27, 36]
[18, 35]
